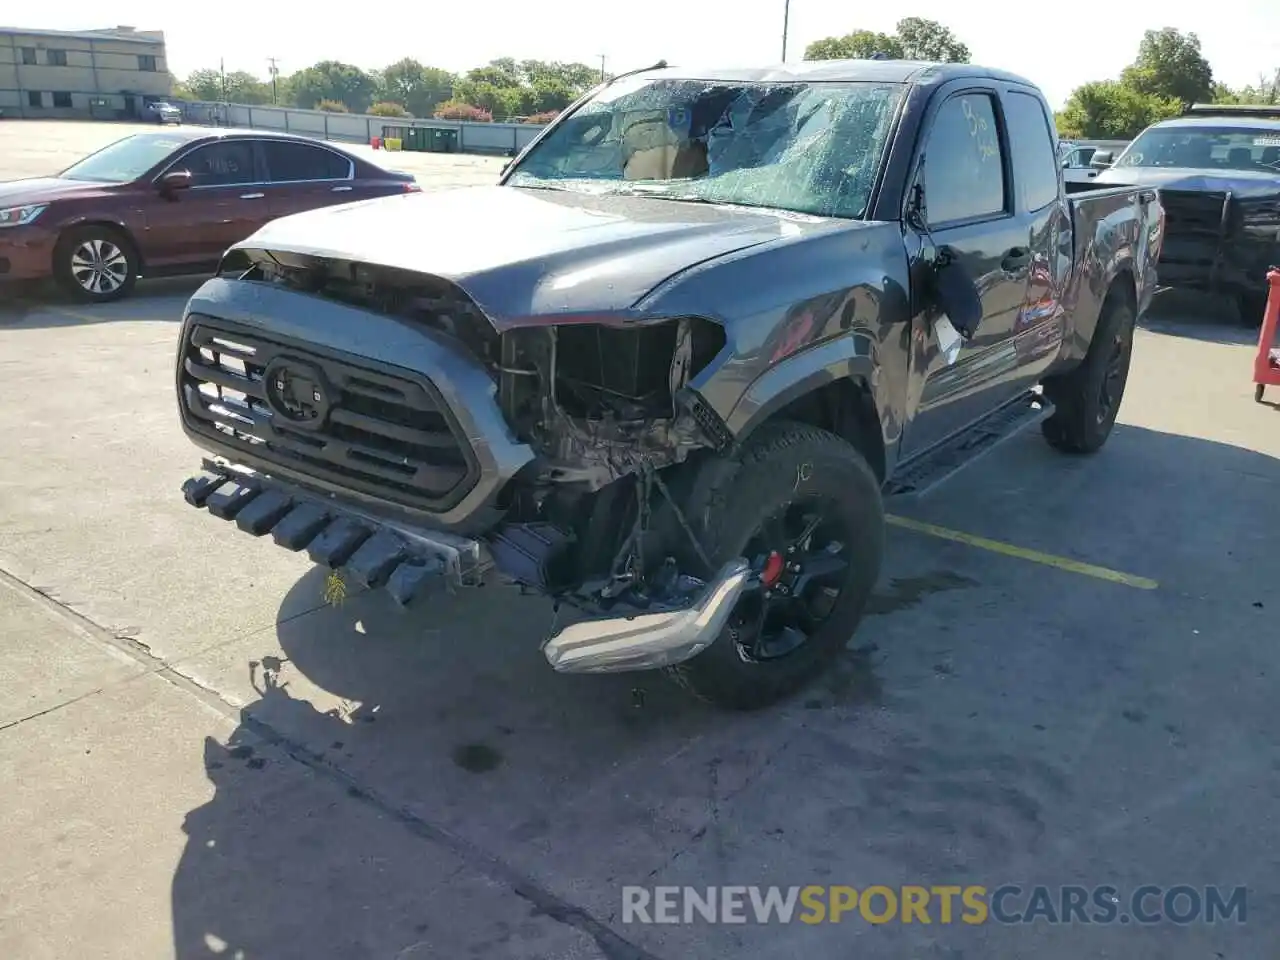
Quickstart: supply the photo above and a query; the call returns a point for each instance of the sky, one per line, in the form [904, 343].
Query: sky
[1058, 45]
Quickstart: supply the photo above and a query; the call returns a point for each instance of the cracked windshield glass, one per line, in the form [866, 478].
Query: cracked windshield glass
[810, 148]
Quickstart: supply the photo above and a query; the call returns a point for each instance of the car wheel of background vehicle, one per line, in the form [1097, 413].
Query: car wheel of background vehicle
[804, 507]
[1087, 399]
[95, 264]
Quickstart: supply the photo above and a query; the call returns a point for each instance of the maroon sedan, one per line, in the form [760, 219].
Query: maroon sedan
[169, 203]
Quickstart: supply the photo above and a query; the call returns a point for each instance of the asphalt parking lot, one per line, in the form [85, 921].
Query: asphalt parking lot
[1067, 678]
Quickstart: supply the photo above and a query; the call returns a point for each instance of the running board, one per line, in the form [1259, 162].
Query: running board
[922, 475]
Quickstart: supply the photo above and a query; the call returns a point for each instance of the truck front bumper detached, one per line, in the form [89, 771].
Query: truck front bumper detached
[412, 562]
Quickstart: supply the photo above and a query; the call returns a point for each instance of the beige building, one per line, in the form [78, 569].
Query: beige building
[109, 74]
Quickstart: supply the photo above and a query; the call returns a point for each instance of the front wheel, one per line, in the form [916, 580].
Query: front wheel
[804, 508]
[95, 264]
[1087, 398]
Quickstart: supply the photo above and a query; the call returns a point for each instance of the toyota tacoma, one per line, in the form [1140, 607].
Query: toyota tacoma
[667, 369]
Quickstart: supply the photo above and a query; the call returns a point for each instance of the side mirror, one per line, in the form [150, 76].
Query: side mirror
[1066, 163]
[1102, 159]
[174, 181]
[957, 296]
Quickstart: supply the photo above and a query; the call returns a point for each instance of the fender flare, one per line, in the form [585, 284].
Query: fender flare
[849, 357]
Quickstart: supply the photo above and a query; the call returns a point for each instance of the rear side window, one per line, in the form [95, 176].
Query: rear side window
[1034, 169]
[964, 164]
[292, 162]
[220, 164]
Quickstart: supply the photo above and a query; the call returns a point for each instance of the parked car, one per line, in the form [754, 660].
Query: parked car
[170, 203]
[724, 316]
[1218, 171]
[1075, 163]
[161, 112]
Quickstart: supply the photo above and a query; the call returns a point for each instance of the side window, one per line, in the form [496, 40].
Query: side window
[220, 164]
[1034, 171]
[291, 162]
[964, 164]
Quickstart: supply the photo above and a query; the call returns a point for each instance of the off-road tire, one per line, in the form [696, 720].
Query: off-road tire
[1079, 423]
[730, 500]
[75, 240]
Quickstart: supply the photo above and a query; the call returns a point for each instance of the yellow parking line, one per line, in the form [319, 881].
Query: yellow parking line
[1022, 553]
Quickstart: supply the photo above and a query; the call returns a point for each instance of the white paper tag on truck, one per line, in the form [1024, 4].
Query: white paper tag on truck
[949, 339]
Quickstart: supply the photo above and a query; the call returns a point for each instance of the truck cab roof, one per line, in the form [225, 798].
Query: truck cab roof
[915, 72]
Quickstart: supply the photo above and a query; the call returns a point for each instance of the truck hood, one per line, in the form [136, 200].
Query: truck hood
[520, 252]
[18, 193]
[1241, 183]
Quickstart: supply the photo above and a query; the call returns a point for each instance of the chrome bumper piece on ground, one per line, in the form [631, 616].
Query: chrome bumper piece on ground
[649, 640]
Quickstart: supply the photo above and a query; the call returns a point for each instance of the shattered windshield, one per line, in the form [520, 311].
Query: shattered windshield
[1205, 148]
[810, 148]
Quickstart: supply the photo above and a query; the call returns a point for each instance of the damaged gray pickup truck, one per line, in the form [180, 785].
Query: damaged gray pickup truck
[667, 370]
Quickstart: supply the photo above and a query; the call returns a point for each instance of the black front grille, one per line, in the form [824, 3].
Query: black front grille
[367, 428]
[1195, 216]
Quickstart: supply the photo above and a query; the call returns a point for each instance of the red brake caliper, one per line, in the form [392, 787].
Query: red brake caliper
[772, 569]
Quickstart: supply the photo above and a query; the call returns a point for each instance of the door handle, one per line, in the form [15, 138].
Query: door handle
[1016, 259]
[340, 189]
[252, 196]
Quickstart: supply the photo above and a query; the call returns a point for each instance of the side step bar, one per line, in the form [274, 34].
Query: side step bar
[921, 475]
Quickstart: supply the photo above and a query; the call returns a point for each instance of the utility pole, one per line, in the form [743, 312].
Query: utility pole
[602, 76]
[222, 72]
[786, 18]
[275, 72]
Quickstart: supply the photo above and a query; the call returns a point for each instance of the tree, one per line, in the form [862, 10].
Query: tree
[929, 40]
[332, 106]
[204, 84]
[243, 87]
[1266, 92]
[457, 110]
[332, 80]
[389, 109]
[1112, 110]
[416, 87]
[1170, 65]
[914, 38]
[859, 45]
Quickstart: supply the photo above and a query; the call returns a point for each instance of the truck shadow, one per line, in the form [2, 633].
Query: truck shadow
[1198, 316]
[923, 754]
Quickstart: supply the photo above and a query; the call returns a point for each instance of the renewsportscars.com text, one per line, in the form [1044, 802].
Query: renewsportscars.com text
[943, 904]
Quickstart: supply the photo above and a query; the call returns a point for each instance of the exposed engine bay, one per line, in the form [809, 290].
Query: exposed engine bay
[605, 405]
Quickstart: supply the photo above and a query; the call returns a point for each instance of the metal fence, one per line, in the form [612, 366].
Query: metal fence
[491, 138]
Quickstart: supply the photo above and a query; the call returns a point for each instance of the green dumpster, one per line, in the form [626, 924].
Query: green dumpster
[444, 141]
[416, 139]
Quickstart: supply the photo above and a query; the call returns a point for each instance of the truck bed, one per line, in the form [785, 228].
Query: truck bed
[1105, 220]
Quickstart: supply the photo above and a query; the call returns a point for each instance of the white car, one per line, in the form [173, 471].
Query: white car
[162, 112]
[1075, 163]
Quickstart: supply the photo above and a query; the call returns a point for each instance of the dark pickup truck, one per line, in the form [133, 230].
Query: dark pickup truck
[666, 371]
[1218, 171]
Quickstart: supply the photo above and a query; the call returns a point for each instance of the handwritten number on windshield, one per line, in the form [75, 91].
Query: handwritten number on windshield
[980, 131]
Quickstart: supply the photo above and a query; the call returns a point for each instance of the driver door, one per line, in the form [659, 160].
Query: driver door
[225, 203]
[969, 210]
